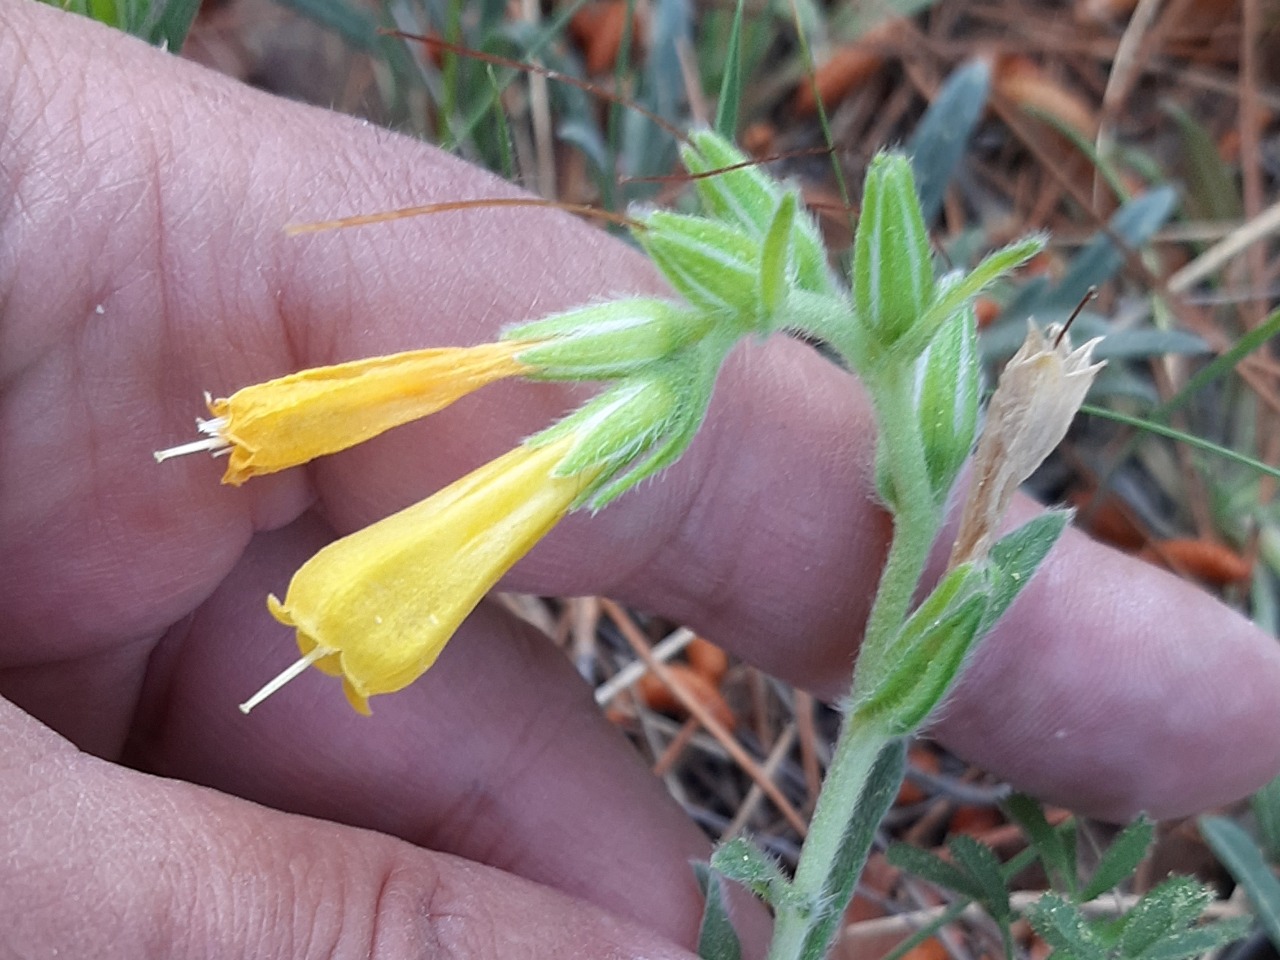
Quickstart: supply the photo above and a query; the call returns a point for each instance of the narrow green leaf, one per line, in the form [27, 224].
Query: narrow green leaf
[1160, 430]
[929, 866]
[717, 940]
[1064, 927]
[981, 864]
[942, 136]
[1240, 855]
[1059, 862]
[1212, 193]
[1266, 809]
[731, 84]
[1121, 858]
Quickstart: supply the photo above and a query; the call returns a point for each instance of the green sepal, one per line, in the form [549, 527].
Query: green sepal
[711, 264]
[775, 258]
[1016, 556]
[617, 426]
[739, 192]
[608, 340]
[948, 377]
[957, 289]
[640, 425]
[717, 940]
[743, 862]
[893, 282]
[895, 689]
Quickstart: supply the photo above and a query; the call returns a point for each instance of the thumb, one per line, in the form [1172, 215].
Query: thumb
[104, 862]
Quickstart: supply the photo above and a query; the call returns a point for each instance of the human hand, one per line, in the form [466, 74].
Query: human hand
[131, 595]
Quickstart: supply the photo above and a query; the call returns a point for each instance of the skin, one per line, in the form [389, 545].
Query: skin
[142, 262]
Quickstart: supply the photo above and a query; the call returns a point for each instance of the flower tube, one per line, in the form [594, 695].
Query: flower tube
[288, 421]
[376, 607]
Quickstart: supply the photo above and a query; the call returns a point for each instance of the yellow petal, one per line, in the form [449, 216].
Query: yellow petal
[381, 603]
[286, 422]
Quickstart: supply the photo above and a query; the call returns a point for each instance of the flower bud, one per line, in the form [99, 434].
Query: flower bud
[892, 266]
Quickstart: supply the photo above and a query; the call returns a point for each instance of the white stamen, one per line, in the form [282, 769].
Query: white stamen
[215, 442]
[288, 674]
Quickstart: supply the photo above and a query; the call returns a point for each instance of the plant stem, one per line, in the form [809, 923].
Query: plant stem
[916, 519]
[855, 754]
[915, 524]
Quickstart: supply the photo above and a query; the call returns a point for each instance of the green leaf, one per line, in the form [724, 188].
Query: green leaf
[1016, 556]
[1240, 855]
[943, 134]
[980, 863]
[731, 84]
[1065, 929]
[873, 803]
[929, 866]
[897, 685]
[1049, 843]
[1200, 941]
[743, 862]
[1121, 858]
[717, 940]
[1166, 909]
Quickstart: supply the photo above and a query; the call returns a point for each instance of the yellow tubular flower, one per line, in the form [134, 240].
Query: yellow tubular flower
[288, 421]
[377, 607]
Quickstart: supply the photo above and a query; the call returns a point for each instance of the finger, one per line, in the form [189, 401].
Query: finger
[108, 863]
[499, 754]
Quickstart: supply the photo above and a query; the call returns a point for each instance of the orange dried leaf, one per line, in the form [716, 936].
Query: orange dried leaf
[1207, 561]
[1106, 520]
[707, 659]
[1020, 81]
[848, 68]
[658, 696]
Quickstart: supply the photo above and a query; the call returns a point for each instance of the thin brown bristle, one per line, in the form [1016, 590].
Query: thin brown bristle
[755, 162]
[541, 71]
[360, 220]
